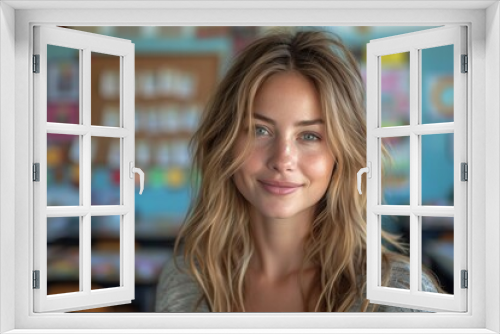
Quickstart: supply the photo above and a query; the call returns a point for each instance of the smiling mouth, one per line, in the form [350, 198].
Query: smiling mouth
[280, 188]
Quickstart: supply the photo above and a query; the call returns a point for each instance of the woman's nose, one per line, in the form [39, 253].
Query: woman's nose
[283, 155]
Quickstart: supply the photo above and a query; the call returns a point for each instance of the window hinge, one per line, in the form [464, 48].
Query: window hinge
[36, 172]
[465, 279]
[465, 171]
[465, 64]
[36, 279]
[36, 63]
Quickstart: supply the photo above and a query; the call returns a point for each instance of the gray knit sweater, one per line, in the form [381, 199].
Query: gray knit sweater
[177, 291]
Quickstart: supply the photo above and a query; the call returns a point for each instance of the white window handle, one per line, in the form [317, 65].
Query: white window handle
[368, 171]
[133, 170]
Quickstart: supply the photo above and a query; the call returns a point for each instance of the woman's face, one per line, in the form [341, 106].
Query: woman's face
[289, 167]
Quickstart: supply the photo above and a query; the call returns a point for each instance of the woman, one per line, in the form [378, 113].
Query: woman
[277, 224]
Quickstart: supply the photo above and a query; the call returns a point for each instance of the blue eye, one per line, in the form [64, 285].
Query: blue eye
[261, 131]
[310, 137]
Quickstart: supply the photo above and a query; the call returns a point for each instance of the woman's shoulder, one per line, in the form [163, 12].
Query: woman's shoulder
[177, 290]
[400, 278]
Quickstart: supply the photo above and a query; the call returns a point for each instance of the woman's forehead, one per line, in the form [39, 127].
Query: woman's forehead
[287, 94]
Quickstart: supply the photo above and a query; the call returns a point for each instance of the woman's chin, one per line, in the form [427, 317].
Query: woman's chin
[279, 213]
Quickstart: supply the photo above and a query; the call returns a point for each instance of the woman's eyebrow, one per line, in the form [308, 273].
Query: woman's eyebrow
[300, 123]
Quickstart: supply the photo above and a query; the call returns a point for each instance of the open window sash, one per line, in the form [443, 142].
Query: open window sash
[414, 43]
[84, 44]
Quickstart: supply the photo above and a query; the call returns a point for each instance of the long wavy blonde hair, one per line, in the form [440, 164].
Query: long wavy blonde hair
[216, 239]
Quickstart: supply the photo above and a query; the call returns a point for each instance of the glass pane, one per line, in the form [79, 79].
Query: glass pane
[437, 84]
[437, 250]
[395, 92]
[437, 169]
[63, 85]
[396, 171]
[63, 170]
[63, 258]
[106, 177]
[396, 226]
[105, 90]
[105, 251]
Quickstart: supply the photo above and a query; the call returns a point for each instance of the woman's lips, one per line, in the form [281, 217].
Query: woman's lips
[280, 188]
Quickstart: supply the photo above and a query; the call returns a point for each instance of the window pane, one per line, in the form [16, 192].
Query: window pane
[396, 171]
[395, 92]
[106, 176]
[397, 226]
[63, 85]
[63, 170]
[63, 258]
[437, 169]
[437, 84]
[437, 250]
[105, 90]
[105, 251]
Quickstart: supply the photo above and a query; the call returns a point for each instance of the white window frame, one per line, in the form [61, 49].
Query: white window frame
[85, 43]
[414, 43]
[16, 21]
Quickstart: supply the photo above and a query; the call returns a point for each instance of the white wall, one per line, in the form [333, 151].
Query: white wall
[492, 163]
[7, 160]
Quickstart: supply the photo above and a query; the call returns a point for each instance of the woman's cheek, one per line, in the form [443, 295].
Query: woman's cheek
[319, 164]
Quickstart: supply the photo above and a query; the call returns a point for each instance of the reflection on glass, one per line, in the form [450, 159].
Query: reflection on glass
[396, 171]
[105, 171]
[395, 90]
[106, 85]
[63, 170]
[63, 255]
[397, 226]
[63, 85]
[437, 169]
[105, 251]
[437, 84]
[437, 249]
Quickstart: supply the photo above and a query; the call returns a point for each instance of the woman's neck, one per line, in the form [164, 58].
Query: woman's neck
[279, 245]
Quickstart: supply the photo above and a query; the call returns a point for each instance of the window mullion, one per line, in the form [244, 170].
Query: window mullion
[433, 129]
[419, 129]
[85, 247]
[67, 211]
[85, 91]
[86, 236]
[67, 129]
[376, 196]
[81, 278]
[414, 170]
[108, 210]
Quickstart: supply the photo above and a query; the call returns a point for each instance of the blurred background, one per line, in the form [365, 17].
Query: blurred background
[176, 69]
